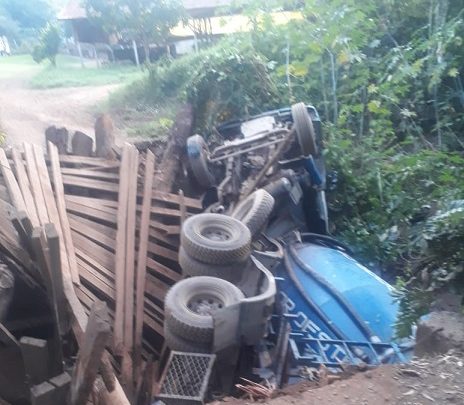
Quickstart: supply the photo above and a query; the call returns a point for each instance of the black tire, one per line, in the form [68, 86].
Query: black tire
[304, 129]
[193, 267]
[198, 154]
[216, 239]
[190, 302]
[180, 344]
[254, 210]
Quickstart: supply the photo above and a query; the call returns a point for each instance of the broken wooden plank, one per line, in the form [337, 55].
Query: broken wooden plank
[142, 258]
[90, 353]
[90, 212]
[11, 183]
[120, 263]
[37, 193]
[36, 358]
[61, 207]
[25, 187]
[163, 270]
[92, 234]
[62, 384]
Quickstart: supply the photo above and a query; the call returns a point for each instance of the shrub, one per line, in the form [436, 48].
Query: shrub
[49, 44]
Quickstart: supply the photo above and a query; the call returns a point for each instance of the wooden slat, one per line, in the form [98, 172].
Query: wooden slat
[167, 229]
[92, 233]
[162, 251]
[61, 207]
[52, 209]
[103, 229]
[25, 187]
[175, 198]
[99, 185]
[163, 270]
[121, 249]
[90, 212]
[89, 161]
[37, 193]
[94, 174]
[92, 202]
[127, 366]
[104, 257]
[11, 183]
[90, 353]
[142, 258]
[106, 273]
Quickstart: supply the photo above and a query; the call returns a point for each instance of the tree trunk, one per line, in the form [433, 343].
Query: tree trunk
[146, 49]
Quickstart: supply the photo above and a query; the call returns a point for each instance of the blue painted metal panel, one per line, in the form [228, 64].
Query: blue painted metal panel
[369, 295]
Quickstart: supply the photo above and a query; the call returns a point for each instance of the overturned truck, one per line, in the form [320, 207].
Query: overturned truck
[270, 294]
[131, 290]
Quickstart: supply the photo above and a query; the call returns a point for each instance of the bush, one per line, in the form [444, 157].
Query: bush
[49, 44]
[222, 82]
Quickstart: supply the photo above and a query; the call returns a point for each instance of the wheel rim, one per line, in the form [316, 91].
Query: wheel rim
[215, 234]
[204, 305]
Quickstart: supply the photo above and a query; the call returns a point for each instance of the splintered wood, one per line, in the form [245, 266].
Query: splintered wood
[89, 230]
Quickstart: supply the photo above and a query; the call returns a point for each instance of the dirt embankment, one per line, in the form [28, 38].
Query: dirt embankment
[438, 380]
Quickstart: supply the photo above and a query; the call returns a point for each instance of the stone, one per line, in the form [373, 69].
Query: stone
[439, 332]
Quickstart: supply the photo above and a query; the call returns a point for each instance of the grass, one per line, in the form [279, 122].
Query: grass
[17, 66]
[67, 73]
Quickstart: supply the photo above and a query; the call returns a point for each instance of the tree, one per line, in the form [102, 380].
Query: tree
[145, 21]
[49, 44]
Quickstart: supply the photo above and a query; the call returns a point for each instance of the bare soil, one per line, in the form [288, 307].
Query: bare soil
[438, 380]
[25, 113]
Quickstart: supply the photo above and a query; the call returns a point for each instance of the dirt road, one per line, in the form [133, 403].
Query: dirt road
[26, 112]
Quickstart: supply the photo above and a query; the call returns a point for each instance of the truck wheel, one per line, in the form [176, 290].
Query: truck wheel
[190, 303]
[216, 239]
[193, 267]
[198, 152]
[254, 210]
[304, 129]
[180, 344]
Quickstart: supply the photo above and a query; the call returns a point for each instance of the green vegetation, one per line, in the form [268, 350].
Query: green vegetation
[69, 73]
[387, 80]
[48, 46]
[143, 21]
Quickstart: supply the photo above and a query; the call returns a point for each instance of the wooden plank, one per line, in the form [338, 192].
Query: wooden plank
[92, 202]
[61, 207]
[94, 174]
[104, 257]
[162, 251]
[11, 183]
[127, 368]
[56, 275]
[37, 193]
[90, 183]
[90, 212]
[142, 258]
[25, 187]
[103, 229]
[92, 234]
[6, 337]
[52, 209]
[90, 353]
[36, 358]
[121, 249]
[87, 161]
[108, 274]
[163, 270]
[182, 207]
[167, 229]
[192, 203]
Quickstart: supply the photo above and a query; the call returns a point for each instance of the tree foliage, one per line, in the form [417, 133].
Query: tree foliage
[49, 45]
[145, 21]
[19, 19]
